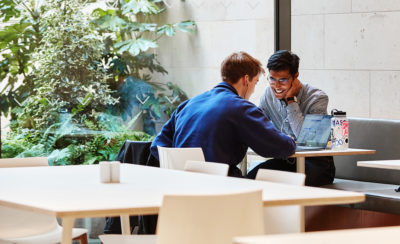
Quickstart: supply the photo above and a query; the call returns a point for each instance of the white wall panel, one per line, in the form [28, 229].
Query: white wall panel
[385, 94]
[365, 41]
[308, 33]
[223, 27]
[375, 5]
[217, 10]
[360, 69]
[303, 7]
[347, 90]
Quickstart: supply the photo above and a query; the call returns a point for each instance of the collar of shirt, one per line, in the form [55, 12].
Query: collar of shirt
[227, 85]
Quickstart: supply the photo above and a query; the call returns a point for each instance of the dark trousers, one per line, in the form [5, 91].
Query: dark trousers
[234, 171]
[319, 170]
[134, 152]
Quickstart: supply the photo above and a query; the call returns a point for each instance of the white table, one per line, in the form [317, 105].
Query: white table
[384, 235]
[301, 161]
[381, 164]
[71, 192]
[301, 156]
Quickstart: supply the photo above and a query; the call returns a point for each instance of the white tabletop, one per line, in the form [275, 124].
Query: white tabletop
[329, 152]
[326, 152]
[386, 235]
[300, 156]
[382, 164]
[76, 191]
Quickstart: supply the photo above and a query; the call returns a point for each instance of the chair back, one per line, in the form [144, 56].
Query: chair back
[175, 158]
[15, 223]
[279, 176]
[287, 219]
[207, 167]
[211, 219]
[20, 226]
[23, 162]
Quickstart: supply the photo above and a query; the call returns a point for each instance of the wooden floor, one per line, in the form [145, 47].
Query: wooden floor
[333, 217]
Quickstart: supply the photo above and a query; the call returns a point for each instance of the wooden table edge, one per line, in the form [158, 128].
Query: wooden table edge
[330, 152]
[327, 152]
[368, 164]
[317, 201]
[108, 213]
[83, 213]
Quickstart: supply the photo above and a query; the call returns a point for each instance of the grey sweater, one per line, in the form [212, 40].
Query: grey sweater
[289, 119]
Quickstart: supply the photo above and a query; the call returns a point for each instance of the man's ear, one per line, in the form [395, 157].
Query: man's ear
[247, 80]
[296, 75]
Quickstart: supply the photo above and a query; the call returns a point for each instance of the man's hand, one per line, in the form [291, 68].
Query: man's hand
[294, 89]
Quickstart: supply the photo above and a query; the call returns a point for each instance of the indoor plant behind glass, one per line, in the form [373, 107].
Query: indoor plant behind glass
[70, 92]
[131, 34]
[75, 73]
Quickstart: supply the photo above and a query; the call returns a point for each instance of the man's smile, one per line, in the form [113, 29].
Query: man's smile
[278, 91]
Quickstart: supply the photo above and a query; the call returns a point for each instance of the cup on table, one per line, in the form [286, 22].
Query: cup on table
[115, 171]
[105, 172]
[110, 172]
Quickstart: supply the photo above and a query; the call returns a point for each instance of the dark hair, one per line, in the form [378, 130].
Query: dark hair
[239, 64]
[284, 60]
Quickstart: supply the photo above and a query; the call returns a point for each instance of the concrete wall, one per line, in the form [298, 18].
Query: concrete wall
[193, 60]
[4, 126]
[351, 49]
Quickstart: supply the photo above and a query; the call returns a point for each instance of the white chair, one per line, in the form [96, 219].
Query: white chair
[207, 167]
[25, 227]
[175, 158]
[282, 219]
[211, 219]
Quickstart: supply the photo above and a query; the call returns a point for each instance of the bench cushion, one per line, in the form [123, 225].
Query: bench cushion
[381, 135]
[379, 197]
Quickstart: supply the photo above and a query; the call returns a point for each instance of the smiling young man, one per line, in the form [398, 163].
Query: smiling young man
[223, 122]
[285, 102]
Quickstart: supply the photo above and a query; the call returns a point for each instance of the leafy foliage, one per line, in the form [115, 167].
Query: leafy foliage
[76, 84]
[132, 33]
[18, 39]
[61, 116]
[63, 143]
[68, 72]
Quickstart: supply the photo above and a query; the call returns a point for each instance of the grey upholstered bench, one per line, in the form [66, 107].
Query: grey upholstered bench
[377, 184]
[382, 205]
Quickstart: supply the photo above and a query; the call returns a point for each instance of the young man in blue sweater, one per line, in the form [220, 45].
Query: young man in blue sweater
[223, 122]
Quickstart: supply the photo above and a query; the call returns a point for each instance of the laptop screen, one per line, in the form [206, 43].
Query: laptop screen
[315, 131]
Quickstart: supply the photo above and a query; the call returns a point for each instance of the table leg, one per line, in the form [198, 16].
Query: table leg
[243, 166]
[301, 168]
[67, 224]
[302, 219]
[125, 225]
[301, 164]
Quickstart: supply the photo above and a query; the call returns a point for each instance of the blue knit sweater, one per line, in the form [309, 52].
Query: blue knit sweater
[224, 125]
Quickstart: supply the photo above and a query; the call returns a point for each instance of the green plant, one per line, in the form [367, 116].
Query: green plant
[68, 72]
[62, 146]
[81, 78]
[131, 29]
[69, 93]
[19, 37]
[132, 32]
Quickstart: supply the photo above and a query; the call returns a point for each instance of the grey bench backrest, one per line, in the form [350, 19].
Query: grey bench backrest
[381, 135]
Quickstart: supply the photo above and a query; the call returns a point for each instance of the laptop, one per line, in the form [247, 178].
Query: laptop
[314, 133]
